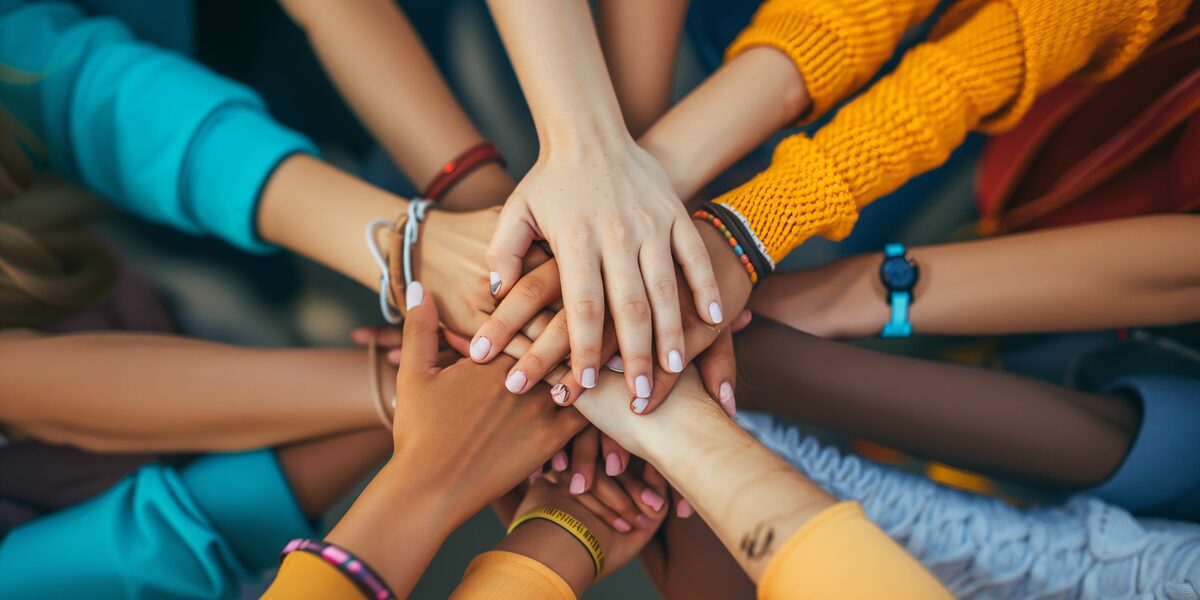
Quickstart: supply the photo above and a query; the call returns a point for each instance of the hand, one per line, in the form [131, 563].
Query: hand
[617, 229]
[455, 425]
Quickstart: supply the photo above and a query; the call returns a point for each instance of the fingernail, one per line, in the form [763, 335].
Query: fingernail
[652, 499]
[577, 484]
[643, 520]
[684, 510]
[589, 378]
[413, 295]
[726, 399]
[621, 526]
[494, 284]
[615, 364]
[714, 312]
[559, 461]
[515, 382]
[642, 386]
[612, 464]
[560, 393]
[534, 476]
[675, 361]
[480, 348]
[639, 405]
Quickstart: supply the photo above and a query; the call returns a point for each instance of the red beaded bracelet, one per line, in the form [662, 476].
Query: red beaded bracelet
[454, 171]
[733, 243]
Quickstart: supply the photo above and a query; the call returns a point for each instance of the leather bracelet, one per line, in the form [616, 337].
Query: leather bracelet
[462, 165]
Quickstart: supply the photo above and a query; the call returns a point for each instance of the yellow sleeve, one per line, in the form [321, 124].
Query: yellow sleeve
[840, 554]
[500, 575]
[985, 63]
[837, 45]
[303, 575]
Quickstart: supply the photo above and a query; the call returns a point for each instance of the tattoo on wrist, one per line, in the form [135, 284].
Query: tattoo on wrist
[759, 544]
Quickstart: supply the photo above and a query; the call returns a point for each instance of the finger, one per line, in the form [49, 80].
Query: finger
[697, 269]
[742, 320]
[616, 458]
[567, 389]
[604, 513]
[699, 336]
[718, 371]
[521, 304]
[419, 352]
[631, 316]
[583, 460]
[510, 243]
[650, 500]
[612, 495]
[361, 336]
[658, 273]
[549, 350]
[583, 297]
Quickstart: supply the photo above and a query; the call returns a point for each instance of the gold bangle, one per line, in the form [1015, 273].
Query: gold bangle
[573, 526]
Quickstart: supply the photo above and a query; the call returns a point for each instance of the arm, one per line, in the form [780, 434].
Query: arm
[1142, 271]
[80, 389]
[640, 41]
[377, 60]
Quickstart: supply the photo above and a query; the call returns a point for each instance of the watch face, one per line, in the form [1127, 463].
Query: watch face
[898, 274]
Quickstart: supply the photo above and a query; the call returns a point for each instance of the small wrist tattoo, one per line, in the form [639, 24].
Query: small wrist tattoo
[759, 543]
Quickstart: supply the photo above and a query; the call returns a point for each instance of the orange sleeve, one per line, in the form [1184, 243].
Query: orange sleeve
[500, 575]
[841, 555]
[981, 69]
[303, 575]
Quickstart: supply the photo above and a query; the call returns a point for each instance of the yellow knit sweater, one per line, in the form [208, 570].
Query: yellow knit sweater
[982, 67]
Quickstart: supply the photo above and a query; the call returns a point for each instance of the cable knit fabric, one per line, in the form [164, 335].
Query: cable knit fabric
[983, 66]
[980, 547]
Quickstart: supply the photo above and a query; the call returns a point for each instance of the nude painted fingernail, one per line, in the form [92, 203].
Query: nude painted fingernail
[684, 510]
[578, 483]
[494, 282]
[480, 348]
[559, 461]
[714, 312]
[615, 364]
[413, 295]
[675, 361]
[621, 525]
[612, 464]
[639, 405]
[588, 379]
[515, 382]
[726, 399]
[642, 386]
[560, 393]
[652, 499]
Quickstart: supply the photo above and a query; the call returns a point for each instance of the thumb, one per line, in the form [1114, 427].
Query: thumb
[419, 352]
[506, 253]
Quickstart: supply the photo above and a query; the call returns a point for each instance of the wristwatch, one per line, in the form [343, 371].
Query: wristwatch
[899, 274]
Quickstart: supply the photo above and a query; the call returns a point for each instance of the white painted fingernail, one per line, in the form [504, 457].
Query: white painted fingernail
[639, 405]
[675, 361]
[641, 385]
[714, 312]
[515, 382]
[480, 348]
[414, 295]
[615, 364]
[726, 399]
[588, 378]
[494, 282]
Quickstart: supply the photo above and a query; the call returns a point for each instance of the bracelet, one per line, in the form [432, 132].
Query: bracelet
[454, 171]
[750, 256]
[573, 526]
[390, 314]
[377, 399]
[365, 578]
[407, 228]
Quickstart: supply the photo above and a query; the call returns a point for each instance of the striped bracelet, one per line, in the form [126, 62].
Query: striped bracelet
[357, 571]
[708, 213]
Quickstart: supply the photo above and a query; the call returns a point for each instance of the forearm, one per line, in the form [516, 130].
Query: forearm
[640, 42]
[377, 59]
[131, 392]
[1132, 272]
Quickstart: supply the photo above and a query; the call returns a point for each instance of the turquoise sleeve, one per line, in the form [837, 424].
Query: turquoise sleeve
[146, 128]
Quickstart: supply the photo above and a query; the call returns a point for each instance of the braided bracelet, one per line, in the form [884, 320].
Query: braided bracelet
[357, 571]
[705, 213]
[408, 227]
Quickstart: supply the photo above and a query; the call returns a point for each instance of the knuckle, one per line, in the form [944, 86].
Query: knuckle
[636, 310]
[588, 310]
[618, 232]
[559, 327]
[532, 288]
[533, 363]
[579, 235]
[663, 290]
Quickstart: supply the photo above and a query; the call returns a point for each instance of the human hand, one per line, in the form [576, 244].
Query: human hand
[617, 229]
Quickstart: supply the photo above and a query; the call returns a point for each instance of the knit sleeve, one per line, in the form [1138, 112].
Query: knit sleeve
[981, 69]
[500, 575]
[303, 575]
[840, 554]
[837, 45]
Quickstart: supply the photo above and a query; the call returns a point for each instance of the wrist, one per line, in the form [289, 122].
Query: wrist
[731, 273]
[584, 135]
[556, 548]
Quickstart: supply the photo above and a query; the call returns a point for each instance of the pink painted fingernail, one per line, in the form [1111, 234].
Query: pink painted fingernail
[515, 382]
[588, 378]
[725, 398]
[578, 484]
[480, 348]
[615, 364]
[621, 525]
[684, 510]
[675, 361]
[641, 385]
[612, 464]
[652, 499]
[560, 394]
[559, 461]
[414, 295]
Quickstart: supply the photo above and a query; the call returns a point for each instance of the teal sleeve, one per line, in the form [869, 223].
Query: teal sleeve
[144, 127]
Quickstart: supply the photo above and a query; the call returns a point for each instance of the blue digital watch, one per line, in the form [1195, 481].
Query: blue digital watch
[899, 274]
